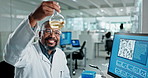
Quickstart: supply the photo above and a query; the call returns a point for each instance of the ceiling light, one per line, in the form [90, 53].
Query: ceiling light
[81, 13]
[21, 16]
[45, 0]
[33, 2]
[74, 0]
[121, 9]
[102, 10]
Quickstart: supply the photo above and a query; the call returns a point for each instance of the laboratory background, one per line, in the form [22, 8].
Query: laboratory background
[86, 20]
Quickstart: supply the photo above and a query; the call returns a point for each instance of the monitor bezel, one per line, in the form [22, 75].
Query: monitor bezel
[132, 34]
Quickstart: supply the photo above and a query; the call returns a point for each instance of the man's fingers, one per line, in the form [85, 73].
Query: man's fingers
[48, 11]
[45, 9]
[52, 4]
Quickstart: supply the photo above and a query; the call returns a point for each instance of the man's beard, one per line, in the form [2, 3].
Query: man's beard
[50, 47]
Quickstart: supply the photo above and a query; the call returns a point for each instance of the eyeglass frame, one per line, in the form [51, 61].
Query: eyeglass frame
[50, 31]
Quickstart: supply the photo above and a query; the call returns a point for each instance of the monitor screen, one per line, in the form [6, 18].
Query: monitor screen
[75, 43]
[65, 38]
[129, 56]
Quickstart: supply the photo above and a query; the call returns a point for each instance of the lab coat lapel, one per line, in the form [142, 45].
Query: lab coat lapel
[56, 65]
[44, 58]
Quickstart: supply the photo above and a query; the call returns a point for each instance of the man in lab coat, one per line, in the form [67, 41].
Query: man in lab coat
[42, 59]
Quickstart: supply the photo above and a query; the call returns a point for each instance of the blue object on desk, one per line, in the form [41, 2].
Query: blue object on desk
[88, 74]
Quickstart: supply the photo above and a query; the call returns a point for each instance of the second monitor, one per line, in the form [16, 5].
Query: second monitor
[75, 43]
[65, 38]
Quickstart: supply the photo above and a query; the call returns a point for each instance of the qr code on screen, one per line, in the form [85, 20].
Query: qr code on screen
[126, 48]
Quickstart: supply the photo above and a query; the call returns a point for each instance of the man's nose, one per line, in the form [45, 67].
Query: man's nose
[52, 34]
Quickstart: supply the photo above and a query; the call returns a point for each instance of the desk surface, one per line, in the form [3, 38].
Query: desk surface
[100, 42]
[71, 49]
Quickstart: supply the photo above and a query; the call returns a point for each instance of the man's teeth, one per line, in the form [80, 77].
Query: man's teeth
[51, 41]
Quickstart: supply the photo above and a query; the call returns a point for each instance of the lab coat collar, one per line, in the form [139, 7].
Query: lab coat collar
[44, 58]
[45, 52]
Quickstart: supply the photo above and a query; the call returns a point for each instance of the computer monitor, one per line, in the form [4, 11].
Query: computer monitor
[65, 38]
[129, 56]
[75, 43]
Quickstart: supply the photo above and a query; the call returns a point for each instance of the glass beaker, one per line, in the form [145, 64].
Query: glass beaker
[56, 20]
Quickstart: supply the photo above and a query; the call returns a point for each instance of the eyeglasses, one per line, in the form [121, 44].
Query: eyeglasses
[50, 31]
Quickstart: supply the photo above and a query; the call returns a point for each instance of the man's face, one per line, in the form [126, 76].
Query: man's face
[50, 37]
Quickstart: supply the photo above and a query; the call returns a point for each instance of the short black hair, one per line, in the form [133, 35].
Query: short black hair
[121, 26]
[108, 35]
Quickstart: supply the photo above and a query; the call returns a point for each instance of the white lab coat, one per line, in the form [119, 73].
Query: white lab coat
[28, 59]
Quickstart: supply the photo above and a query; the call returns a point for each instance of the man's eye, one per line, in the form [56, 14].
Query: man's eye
[48, 31]
[57, 33]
